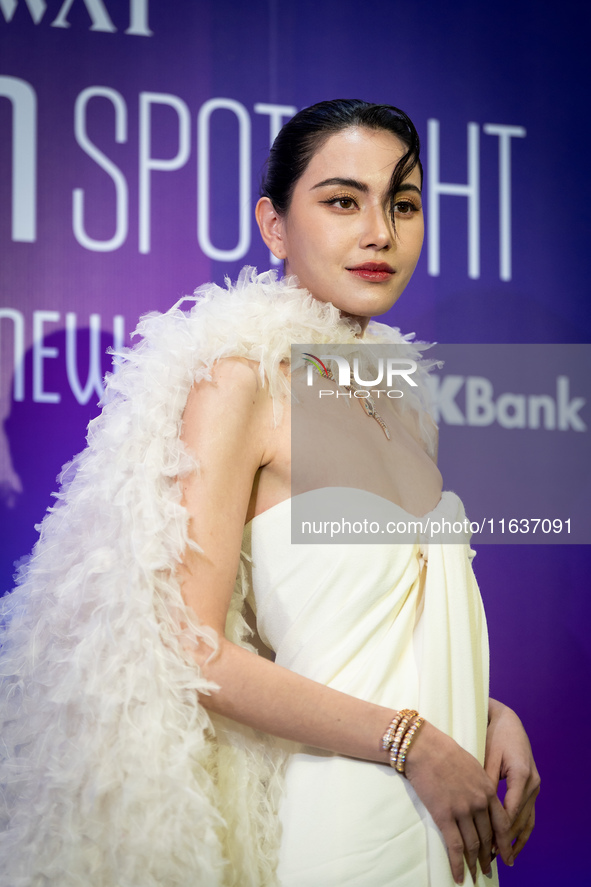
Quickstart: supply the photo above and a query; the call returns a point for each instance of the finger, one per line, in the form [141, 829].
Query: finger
[492, 767]
[485, 835]
[518, 824]
[502, 831]
[515, 805]
[455, 851]
[524, 834]
[516, 796]
[471, 843]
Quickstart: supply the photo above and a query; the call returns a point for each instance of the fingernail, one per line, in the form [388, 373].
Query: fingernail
[488, 874]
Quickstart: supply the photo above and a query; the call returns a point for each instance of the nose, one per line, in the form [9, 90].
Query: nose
[377, 229]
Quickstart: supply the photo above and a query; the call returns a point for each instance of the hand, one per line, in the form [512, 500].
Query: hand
[462, 800]
[509, 756]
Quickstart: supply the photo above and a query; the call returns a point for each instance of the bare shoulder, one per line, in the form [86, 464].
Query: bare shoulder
[232, 379]
[227, 427]
[230, 409]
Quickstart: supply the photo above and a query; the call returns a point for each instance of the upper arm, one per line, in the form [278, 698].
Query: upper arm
[225, 428]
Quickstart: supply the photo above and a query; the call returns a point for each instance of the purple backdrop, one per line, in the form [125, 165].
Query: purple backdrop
[133, 136]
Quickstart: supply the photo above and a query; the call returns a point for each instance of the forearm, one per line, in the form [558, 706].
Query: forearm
[450, 782]
[494, 708]
[275, 700]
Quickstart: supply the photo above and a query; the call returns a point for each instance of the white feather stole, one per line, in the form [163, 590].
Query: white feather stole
[111, 772]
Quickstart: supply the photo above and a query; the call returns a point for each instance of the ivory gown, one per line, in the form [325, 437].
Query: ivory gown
[399, 625]
[112, 773]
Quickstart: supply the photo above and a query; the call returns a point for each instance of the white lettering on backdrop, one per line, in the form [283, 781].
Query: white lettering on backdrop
[97, 12]
[42, 352]
[505, 133]
[244, 176]
[277, 115]
[121, 193]
[147, 162]
[23, 99]
[24, 187]
[471, 190]
[509, 410]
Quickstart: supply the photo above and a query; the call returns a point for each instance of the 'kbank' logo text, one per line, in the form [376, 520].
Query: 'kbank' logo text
[552, 412]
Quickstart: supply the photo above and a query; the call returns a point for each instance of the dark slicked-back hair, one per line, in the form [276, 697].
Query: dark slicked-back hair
[304, 134]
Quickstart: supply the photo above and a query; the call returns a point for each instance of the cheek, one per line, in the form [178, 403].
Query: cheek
[421, 237]
[414, 242]
[417, 248]
[314, 248]
[420, 233]
[326, 245]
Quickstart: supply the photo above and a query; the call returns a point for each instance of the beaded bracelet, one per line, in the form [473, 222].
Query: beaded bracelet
[408, 715]
[406, 743]
[388, 737]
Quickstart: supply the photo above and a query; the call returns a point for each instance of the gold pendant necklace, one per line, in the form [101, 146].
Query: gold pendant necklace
[366, 401]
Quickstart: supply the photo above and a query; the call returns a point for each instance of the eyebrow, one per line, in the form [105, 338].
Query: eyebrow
[408, 187]
[360, 186]
[346, 183]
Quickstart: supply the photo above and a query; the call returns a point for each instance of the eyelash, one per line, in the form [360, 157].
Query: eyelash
[332, 201]
[408, 205]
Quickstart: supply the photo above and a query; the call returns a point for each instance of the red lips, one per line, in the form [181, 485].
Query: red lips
[373, 266]
[373, 271]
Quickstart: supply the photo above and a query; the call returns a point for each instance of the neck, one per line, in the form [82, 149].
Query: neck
[362, 321]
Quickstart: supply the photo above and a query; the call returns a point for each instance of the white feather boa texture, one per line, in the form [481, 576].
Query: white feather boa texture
[111, 772]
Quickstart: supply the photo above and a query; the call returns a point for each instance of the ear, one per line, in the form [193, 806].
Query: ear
[271, 226]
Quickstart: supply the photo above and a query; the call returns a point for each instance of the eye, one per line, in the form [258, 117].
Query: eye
[343, 201]
[405, 207]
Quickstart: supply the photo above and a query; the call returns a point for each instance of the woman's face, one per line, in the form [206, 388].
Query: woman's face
[337, 235]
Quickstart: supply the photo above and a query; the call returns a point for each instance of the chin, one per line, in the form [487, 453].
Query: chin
[368, 308]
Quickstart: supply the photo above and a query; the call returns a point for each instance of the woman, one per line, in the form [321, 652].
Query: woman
[138, 719]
